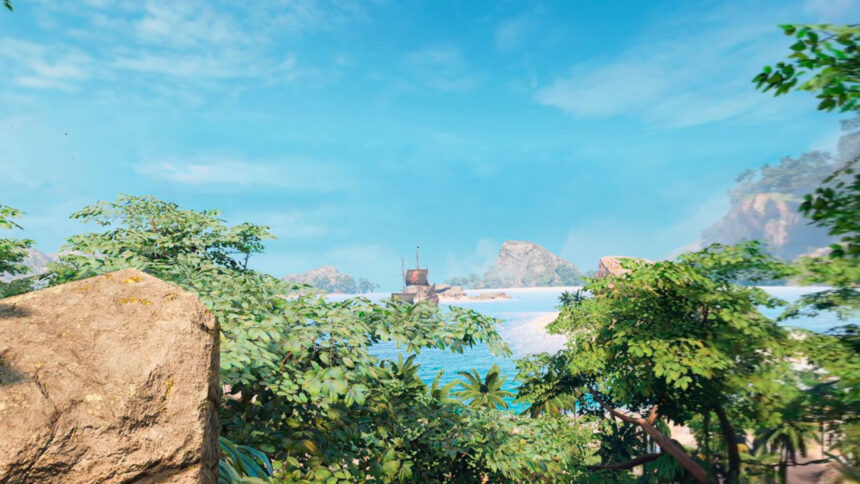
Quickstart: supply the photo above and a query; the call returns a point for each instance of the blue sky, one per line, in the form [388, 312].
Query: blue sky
[358, 130]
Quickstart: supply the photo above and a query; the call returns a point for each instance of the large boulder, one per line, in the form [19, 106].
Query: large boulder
[109, 379]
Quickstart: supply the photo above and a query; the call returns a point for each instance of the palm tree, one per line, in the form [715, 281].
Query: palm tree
[442, 393]
[557, 405]
[568, 298]
[485, 393]
[787, 440]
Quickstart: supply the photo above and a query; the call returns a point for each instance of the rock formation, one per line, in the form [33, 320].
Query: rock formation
[526, 264]
[612, 265]
[110, 379]
[772, 218]
[326, 278]
[764, 201]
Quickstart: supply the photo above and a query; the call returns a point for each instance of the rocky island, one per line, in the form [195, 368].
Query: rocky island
[524, 264]
[329, 279]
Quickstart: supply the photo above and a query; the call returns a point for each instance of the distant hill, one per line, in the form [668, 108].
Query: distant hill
[36, 261]
[329, 279]
[764, 203]
[524, 264]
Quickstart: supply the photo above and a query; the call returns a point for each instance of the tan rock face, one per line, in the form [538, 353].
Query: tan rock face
[526, 264]
[110, 379]
[772, 218]
[611, 265]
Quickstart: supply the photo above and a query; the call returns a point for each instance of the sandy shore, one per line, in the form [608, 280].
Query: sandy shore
[541, 322]
[514, 290]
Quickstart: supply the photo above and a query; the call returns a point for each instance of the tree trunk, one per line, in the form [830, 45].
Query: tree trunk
[641, 460]
[666, 444]
[706, 430]
[728, 431]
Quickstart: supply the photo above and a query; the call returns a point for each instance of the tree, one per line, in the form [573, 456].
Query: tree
[674, 340]
[303, 385]
[365, 286]
[12, 254]
[571, 298]
[829, 55]
[485, 393]
[825, 58]
[836, 206]
[12, 251]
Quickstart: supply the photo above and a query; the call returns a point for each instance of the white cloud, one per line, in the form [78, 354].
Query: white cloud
[185, 44]
[693, 71]
[295, 223]
[185, 24]
[299, 174]
[42, 66]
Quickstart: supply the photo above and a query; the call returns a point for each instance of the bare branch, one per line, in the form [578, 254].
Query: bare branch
[642, 459]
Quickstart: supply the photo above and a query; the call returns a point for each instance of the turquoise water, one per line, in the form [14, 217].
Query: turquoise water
[526, 305]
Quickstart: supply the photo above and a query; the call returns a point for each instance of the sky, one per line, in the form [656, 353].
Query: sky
[359, 130]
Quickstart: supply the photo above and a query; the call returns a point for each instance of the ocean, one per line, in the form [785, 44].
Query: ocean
[524, 307]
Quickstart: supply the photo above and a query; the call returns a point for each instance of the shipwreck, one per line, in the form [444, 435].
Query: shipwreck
[415, 286]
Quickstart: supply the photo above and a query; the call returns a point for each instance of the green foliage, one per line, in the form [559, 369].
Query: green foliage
[836, 206]
[680, 337]
[303, 385]
[12, 251]
[572, 298]
[241, 464]
[824, 60]
[568, 276]
[547, 384]
[365, 286]
[485, 393]
[472, 282]
[8, 5]
[792, 177]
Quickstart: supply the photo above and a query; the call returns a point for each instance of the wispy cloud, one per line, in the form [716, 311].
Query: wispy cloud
[299, 174]
[675, 76]
[185, 43]
[44, 66]
[443, 68]
[298, 223]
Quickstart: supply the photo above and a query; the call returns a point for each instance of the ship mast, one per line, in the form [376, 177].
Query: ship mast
[417, 264]
[402, 274]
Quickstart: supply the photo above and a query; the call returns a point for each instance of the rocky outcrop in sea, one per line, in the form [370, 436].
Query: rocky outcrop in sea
[526, 264]
[326, 278]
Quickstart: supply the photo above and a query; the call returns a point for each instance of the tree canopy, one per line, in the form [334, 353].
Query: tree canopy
[302, 382]
[823, 61]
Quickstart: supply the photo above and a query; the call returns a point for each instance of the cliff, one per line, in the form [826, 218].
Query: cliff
[526, 264]
[764, 202]
[772, 218]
